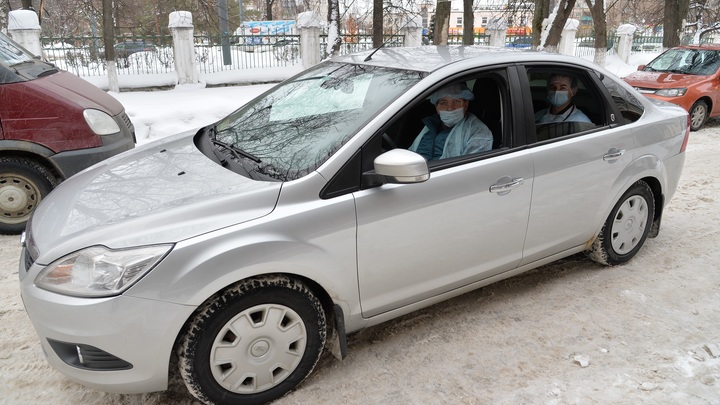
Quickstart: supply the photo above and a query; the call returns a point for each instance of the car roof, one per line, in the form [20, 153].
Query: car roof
[431, 58]
[712, 47]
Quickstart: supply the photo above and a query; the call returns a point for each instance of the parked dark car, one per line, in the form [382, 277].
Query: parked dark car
[127, 48]
[52, 125]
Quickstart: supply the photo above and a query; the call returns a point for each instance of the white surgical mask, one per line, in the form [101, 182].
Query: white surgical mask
[558, 98]
[452, 117]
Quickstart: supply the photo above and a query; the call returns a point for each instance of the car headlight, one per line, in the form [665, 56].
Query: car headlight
[98, 271]
[671, 92]
[100, 122]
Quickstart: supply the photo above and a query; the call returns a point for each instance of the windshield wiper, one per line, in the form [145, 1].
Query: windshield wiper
[236, 151]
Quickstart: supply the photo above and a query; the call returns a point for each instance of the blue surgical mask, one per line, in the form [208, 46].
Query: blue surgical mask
[558, 98]
[452, 117]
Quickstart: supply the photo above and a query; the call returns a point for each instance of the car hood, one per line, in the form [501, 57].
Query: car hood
[662, 80]
[159, 193]
[78, 91]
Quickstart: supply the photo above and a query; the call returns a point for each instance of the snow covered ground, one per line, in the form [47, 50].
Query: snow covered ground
[572, 332]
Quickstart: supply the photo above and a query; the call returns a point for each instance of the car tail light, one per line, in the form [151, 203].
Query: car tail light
[687, 136]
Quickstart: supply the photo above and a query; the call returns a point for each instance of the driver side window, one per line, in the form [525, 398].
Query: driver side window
[461, 118]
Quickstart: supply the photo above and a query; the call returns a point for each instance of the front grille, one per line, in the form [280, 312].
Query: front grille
[124, 117]
[88, 357]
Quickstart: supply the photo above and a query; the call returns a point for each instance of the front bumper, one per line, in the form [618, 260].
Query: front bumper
[136, 332]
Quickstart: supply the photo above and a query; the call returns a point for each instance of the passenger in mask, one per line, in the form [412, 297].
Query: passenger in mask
[452, 131]
[560, 91]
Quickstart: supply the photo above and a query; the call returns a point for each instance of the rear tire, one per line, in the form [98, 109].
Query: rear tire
[626, 228]
[698, 115]
[23, 184]
[252, 343]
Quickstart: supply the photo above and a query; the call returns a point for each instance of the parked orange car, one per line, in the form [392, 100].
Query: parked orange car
[688, 76]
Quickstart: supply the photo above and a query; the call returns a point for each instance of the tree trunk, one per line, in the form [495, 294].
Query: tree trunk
[109, 42]
[553, 37]
[333, 40]
[377, 23]
[597, 11]
[542, 11]
[268, 9]
[468, 23]
[442, 22]
[675, 12]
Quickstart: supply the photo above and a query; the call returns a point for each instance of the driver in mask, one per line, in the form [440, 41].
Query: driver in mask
[560, 91]
[452, 131]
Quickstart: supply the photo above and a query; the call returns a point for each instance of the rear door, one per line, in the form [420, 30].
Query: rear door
[575, 168]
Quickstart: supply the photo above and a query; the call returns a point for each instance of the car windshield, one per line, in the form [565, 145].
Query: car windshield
[10, 53]
[687, 61]
[293, 129]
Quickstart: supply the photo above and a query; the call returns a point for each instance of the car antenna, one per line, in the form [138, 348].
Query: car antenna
[384, 42]
[373, 52]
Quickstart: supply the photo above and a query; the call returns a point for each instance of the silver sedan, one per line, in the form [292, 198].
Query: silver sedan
[246, 248]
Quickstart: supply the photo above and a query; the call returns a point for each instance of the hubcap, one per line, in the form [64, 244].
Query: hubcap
[629, 225]
[698, 116]
[258, 348]
[18, 197]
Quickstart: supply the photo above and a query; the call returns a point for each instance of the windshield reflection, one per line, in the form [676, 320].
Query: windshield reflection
[701, 62]
[299, 125]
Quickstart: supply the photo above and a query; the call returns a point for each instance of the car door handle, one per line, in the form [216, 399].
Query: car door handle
[505, 184]
[613, 154]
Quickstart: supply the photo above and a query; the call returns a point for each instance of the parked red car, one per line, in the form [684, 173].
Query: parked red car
[688, 76]
[53, 124]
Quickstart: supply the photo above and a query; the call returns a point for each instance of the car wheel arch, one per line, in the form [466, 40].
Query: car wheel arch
[336, 341]
[33, 152]
[655, 186]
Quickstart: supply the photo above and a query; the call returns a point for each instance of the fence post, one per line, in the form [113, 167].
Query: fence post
[567, 38]
[498, 32]
[309, 25]
[181, 27]
[626, 33]
[24, 28]
[412, 31]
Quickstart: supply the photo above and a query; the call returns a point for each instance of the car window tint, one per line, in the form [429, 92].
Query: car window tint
[580, 105]
[629, 106]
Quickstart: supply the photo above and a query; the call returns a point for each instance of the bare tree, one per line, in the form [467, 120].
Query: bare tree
[269, 9]
[442, 22]
[468, 23]
[562, 12]
[377, 23]
[542, 11]
[597, 11]
[675, 12]
[699, 9]
[334, 38]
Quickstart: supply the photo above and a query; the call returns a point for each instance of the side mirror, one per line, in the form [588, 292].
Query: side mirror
[641, 67]
[400, 166]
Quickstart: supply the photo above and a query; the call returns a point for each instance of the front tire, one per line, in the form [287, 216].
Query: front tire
[23, 184]
[626, 228]
[698, 115]
[253, 342]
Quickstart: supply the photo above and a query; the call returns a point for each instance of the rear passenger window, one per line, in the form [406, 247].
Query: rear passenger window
[629, 106]
[565, 102]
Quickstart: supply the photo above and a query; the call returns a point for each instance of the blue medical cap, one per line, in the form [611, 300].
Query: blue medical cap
[456, 90]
